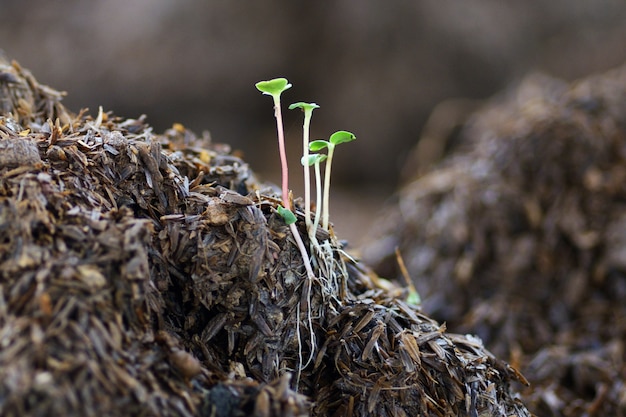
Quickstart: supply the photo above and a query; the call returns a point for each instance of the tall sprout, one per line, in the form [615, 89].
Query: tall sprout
[275, 88]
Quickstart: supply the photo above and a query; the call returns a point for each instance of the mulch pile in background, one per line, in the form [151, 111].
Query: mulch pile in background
[145, 274]
[520, 238]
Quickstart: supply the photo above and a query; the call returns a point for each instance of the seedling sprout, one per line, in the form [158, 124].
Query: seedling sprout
[335, 139]
[275, 88]
[307, 108]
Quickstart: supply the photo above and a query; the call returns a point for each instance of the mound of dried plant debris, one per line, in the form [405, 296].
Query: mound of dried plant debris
[145, 274]
[520, 237]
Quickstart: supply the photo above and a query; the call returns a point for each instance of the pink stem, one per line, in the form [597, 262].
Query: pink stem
[282, 152]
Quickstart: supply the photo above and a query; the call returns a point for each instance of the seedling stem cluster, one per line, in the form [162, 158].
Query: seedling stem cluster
[324, 257]
[275, 88]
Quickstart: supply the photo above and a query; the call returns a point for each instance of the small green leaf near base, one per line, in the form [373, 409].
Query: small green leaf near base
[287, 215]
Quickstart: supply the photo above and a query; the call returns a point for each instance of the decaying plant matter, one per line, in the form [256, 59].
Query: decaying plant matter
[145, 274]
[520, 237]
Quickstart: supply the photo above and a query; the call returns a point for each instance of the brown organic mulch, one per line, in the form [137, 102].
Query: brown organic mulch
[520, 237]
[147, 274]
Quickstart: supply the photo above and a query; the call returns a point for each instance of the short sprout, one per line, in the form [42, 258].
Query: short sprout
[335, 139]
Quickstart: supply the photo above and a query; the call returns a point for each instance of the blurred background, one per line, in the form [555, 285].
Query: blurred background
[376, 68]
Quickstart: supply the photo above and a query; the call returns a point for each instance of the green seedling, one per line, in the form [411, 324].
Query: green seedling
[413, 298]
[307, 108]
[335, 139]
[275, 88]
[315, 160]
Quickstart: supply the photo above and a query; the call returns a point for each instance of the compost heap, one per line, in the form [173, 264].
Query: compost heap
[520, 237]
[145, 274]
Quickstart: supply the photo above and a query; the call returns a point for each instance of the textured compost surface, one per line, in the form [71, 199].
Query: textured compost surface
[145, 274]
[520, 237]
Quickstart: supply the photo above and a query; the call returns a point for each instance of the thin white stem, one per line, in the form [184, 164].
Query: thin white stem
[307, 170]
[283, 153]
[325, 211]
[303, 252]
[318, 204]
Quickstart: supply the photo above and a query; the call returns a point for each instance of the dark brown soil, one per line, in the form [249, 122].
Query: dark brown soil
[145, 274]
[520, 238]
